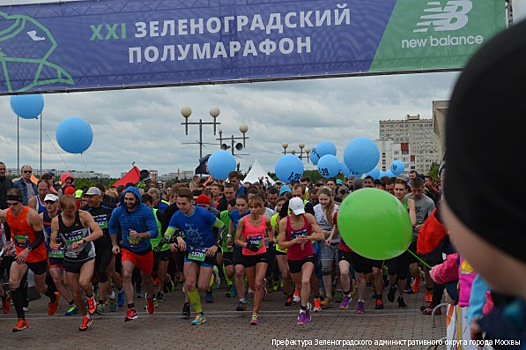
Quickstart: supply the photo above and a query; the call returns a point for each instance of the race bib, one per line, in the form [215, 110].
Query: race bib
[74, 236]
[56, 254]
[197, 254]
[297, 234]
[134, 242]
[257, 240]
[22, 241]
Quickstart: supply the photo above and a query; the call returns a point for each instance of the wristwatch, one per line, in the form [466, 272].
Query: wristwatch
[84, 241]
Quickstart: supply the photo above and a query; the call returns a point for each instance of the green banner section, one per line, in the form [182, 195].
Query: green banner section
[430, 35]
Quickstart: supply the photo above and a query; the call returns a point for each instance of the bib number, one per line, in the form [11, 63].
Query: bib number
[197, 254]
[22, 241]
[257, 240]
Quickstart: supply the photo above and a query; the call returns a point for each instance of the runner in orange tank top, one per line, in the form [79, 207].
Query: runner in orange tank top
[27, 233]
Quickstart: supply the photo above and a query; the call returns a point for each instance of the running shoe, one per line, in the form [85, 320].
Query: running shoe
[169, 285]
[317, 305]
[429, 311]
[302, 318]
[326, 301]
[241, 306]
[209, 297]
[86, 322]
[139, 294]
[296, 298]
[228, 292]
[379, 304]
[155, 304]
[186, 310]
[25, 308]
[6, 303]
[73, 310]
[401, 302]
[391, 294]
[150, 304]
[254, 320]
[199, 319]
[289, 301]
[21, 324]
[415, 286]
[307, 316]
[339, 296]
[360, 309]
[354, 290]
[160, 296]
[246, 300]
[120, 298]
[53, 305]
[429, 296]
[233, 291]
[345, 302]
[100, 308]
[112, 304]
[275, 285]
[131, 314]
[92, 306]
[429, 305]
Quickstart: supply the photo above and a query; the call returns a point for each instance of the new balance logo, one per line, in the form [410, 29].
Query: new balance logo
[452, 17]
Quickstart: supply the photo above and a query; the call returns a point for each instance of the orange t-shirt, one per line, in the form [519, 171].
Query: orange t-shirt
[23, 235]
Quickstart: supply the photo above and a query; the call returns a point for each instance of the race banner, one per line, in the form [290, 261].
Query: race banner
[115, 44]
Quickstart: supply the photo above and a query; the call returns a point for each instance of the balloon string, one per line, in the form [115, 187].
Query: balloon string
[422, 261]
[83, 161]
[56, 149]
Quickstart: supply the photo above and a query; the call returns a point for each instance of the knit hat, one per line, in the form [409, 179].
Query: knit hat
[485, 127]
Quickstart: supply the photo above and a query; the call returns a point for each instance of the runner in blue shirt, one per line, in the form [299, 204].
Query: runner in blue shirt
[193, 227]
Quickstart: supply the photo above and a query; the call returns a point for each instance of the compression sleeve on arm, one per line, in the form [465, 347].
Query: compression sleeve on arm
[39, 240]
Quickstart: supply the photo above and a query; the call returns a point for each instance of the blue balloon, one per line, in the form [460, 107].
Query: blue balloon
[390, 173]
[220, 164]
[381, 174]
[375, 173]
[289, 168]
[345, 171]
[74, 135]
[321, 149]
[27, 106]
[361, 155]
[397, 167]
[329, 166]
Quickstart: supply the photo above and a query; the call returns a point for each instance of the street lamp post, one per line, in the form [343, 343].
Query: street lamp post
[186, 112]
[302, 147]
[243, 128]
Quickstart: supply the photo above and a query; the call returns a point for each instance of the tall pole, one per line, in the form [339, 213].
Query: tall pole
[18, 144]
[201, 138]
[41, 144]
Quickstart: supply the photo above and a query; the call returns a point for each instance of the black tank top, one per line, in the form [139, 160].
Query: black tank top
[71, 234]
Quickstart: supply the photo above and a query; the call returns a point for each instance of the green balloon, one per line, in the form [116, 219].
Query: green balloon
[375, 224]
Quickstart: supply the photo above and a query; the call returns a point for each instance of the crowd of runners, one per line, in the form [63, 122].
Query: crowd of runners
[101, 249]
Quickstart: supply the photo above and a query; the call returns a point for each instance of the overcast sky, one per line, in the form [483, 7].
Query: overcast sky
[144, 125]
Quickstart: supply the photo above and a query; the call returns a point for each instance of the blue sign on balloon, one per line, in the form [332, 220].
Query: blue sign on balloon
[289, 168]
[329, 166]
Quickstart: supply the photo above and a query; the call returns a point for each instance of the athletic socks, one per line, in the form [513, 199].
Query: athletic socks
[195, 300]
